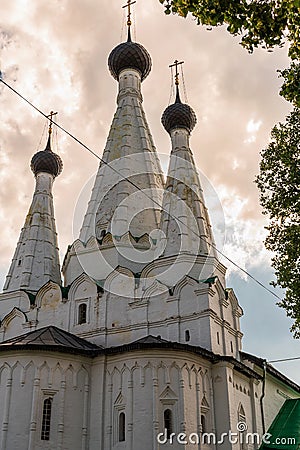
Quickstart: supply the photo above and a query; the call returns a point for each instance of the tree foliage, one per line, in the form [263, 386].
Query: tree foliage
[265, 23]
[279, 185]
[290, 89]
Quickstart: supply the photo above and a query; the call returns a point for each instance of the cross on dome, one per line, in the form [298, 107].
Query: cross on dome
[129, 55]
[50, 117]
[178, 115]
[176, 64]
[128, 5]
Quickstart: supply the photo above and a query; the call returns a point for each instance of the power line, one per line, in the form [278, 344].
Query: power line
[137, 187]
[283, 360]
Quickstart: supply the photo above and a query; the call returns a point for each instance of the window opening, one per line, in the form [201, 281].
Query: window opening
[46, 421]
[122, 427]
[82, 313]
[168, 422]
[203, 423]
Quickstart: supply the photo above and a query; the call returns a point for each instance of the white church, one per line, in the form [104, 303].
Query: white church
[138, 345]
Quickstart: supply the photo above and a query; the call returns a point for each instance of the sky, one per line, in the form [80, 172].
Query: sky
[55, 53]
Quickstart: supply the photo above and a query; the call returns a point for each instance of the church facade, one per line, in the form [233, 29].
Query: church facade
[140, 346]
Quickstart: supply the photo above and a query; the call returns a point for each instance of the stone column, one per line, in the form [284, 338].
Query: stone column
[85, 413]
[155, 409]
[130, 407]
[34, 407]
[6, 408]
[61, 414]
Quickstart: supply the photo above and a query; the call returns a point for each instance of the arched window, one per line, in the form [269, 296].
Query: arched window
[168, 422]
[187, 335]
[82, 313]
[46, 420]
[203, 423]
[122, 427]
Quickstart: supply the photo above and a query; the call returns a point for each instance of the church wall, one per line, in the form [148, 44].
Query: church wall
[5, 376]
[144, 386]
[14, 327]
[76, 400]
[15, 308]
[10, 300]
[275, 396]
[72, 268]
[89, 395]
[27, 380]
[223, 400]
[143, 402]
[21, 394]
[241, 387]
[98, 403]
[83, 292]
[235, 402]
[50, 308]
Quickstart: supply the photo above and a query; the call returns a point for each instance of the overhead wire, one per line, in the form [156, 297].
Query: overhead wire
[283, 360]
[137, 187]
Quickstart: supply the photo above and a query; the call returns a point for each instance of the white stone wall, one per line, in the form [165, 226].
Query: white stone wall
[192, 312]
[89, 394]
[276, 393]
[26, 380]
[143, 386]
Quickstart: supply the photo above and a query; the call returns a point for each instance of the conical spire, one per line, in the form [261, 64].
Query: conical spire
[36, 258]
[129, 154]
[184, 222]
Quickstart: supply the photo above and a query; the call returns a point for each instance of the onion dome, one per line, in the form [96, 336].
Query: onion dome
[179, 115]
[129, 55]
[46, 161]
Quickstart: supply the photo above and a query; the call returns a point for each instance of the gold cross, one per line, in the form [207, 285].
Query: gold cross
[176, 64]
[129, 3]
[50, 117]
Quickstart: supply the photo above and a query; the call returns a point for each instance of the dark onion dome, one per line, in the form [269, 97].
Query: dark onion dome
[178, 115]
[46, 161]
[129, 55]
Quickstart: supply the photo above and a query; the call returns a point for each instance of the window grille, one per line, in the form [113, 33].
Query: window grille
[46, 421]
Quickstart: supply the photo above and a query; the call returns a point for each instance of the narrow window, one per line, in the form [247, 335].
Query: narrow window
[122, 427]
[231, 346]
[218, 338]
[203, 424]
[19, 262]
[168, 422]
[46, 421]
[82, 313]
[187, 335]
